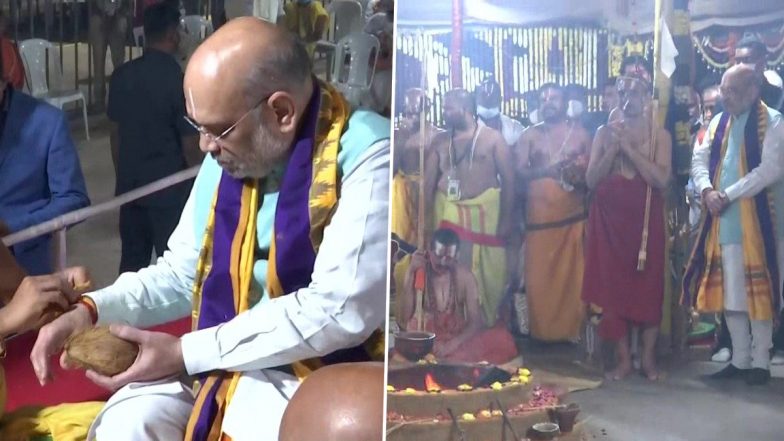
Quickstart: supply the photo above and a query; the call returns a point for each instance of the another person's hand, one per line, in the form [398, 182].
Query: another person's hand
[30, 304]
[40, 299]
[4, 230]
[418, 260]
[160, 356]
[714, 202]
[52, 337]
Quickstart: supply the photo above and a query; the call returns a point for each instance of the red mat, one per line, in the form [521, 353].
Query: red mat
[68, 387]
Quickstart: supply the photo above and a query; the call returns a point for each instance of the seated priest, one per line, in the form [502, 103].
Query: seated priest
[451, 306]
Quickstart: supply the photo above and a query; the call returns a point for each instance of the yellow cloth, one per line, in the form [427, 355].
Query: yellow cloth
[66, 422]
[404, 210]
[710, 292]
[302, 19]
[476, 222]
[399, 275]
[555, 228]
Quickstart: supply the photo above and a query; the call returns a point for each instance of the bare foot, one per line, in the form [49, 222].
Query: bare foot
[650, 372]
[620, 372]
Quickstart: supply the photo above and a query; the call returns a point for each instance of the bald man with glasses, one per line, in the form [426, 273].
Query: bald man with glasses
[280, 255]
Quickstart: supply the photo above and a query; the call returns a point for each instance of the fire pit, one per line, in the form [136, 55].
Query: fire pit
[429, 401]
[428, 389]
[446, 376]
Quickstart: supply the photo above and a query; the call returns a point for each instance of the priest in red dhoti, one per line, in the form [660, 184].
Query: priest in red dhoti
[630, 167]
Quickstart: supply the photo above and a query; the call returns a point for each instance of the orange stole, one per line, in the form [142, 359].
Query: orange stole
[554, 263]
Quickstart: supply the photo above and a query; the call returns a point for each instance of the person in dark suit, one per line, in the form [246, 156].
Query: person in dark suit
[750, 50]
[40, 175]
[150, 138]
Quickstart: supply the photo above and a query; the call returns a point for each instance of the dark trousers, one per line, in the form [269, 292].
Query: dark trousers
[142, 229]
[723, 339]
[778, 334]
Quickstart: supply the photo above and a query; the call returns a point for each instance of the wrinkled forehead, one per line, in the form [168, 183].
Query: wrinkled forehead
[710, 94]
[550, 93]
[635, 84]
[444, 250]
[213, 104]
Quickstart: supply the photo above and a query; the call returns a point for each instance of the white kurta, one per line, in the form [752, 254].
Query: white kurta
[768, 173]
[343, 305]
[511, 129]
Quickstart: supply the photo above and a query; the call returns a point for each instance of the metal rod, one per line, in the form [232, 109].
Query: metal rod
[60, 250]
[31, 16]
[455, 425]
[506, 421]
[74, 217]
[75, 13]
[90, 60]
[62, 33]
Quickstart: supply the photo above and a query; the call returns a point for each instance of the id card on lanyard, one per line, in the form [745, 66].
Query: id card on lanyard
[453, 192]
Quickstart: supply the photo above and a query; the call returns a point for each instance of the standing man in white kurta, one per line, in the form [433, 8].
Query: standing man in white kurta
[319, 176]
[729, 170]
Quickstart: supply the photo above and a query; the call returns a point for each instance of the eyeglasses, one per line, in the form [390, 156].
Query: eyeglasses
[217, 138]
[725, 91]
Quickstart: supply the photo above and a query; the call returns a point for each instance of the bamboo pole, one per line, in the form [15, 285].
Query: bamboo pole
[420, 281]
[642, 255]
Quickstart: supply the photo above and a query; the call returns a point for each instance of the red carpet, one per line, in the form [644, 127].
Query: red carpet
[69, 386]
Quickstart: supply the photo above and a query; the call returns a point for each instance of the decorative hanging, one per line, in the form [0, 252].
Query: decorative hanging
[717, 45]
[555, 58]
[629, 46]
[521, 59]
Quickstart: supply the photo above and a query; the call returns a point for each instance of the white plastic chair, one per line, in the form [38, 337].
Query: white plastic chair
[138, 36]
[345, 17]
[355, 65]
[197, 26]
[34, 56]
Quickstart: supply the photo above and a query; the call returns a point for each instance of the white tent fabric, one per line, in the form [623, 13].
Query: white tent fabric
[617, 15]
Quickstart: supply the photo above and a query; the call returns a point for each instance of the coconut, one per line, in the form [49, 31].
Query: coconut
[100, 350]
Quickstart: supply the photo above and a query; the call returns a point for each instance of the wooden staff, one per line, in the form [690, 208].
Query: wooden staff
[420, 281]
[642, 256]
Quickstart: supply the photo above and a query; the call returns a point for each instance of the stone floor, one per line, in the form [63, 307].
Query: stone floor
[682, 407]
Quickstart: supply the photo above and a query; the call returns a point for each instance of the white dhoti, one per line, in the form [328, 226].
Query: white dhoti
[751, 339]
[159, 411]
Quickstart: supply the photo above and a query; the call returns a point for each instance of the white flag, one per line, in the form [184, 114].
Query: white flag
[668, 50]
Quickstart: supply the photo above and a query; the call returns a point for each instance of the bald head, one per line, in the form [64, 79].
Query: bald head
[463, 99]
[249, 85]
[337, 403]
[740, 88]
[249, 58]
[414, 98]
